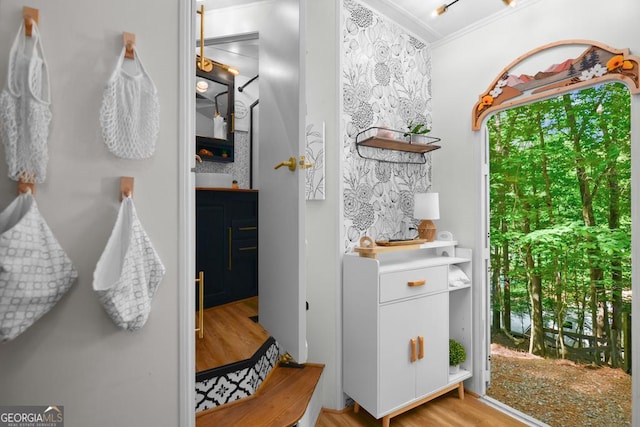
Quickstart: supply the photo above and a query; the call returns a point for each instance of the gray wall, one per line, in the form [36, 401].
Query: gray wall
[323, 218]
[74, 355]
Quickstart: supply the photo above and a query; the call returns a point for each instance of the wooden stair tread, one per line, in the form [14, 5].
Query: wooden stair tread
[281, 401]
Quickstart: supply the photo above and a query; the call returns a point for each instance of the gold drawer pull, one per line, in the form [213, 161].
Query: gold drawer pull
[413, 350]
[415, 283]
[247, 228]
[248, 248]
[420, 347]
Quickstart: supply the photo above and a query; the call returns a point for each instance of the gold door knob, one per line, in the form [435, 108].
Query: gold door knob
[304, 164]
[291, 164]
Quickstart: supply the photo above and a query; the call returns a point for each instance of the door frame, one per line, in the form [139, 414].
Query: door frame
[482, 342]
[186, 214]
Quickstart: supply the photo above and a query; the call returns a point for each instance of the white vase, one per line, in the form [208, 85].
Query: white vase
[454, 369]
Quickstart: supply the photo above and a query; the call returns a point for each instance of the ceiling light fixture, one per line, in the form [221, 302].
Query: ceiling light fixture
[202, 86]
[443, 8]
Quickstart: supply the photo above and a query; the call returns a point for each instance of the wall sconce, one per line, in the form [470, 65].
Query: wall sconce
[201, 62]
[232, 70]
[426, 206]
[206, 64]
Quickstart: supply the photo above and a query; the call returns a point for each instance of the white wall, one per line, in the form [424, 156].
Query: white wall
[464, 67]
[75, 356]
[324, 267]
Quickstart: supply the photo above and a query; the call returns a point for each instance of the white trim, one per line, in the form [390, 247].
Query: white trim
[403, 19]
[339, 232]
[513, 413]
[481, 137]
[635, 256]
[484, 22]
[186, 223]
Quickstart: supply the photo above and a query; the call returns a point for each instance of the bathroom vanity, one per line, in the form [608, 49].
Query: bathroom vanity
[227, 244]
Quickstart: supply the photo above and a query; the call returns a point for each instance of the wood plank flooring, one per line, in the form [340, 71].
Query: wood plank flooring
[446, 410]
[279, 402]
[229, 334]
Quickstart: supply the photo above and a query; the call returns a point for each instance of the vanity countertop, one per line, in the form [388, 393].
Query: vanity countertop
[240, 190]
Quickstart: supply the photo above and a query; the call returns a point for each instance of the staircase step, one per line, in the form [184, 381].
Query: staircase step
[225, 384]
[281, 400]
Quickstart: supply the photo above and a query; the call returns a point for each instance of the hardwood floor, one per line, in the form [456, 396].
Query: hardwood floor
[279, 402]
[229, 334]
[446, 410]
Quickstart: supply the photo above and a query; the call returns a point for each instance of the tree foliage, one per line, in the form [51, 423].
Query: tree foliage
[560, 223]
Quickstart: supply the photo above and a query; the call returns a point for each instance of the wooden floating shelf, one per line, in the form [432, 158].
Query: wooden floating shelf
[417, 145]
[394, 144]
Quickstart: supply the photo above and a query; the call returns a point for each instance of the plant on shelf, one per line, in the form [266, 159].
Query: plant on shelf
[225, 154]
[457, 355]
[417, 129]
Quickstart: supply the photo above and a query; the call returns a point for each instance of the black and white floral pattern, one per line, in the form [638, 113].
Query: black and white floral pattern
[387, 83]
[314, 174]
[237, 381]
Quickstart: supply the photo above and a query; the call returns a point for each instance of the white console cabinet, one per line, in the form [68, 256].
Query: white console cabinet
[399, 311]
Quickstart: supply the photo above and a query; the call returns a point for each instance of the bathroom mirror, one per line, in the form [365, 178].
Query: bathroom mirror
[214, 114]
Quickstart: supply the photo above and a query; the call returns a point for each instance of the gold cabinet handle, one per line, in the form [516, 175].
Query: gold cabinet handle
[413, 350]
[200, 282]
[415, 283]
[304, 164]
[233, 122]
[291, 164]
[420, 347]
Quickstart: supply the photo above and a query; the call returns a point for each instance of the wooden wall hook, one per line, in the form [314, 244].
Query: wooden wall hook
[24, 187]
[126, 187]
[30, 15]
[129, 40]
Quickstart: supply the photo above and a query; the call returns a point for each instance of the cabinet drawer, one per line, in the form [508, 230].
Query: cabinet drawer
[408, 283]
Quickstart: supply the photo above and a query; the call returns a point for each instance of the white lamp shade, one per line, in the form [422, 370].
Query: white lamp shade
[426, 206]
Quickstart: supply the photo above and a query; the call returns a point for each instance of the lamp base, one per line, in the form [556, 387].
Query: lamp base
[427, 230]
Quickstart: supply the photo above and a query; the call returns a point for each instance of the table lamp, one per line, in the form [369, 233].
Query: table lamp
[426, 207]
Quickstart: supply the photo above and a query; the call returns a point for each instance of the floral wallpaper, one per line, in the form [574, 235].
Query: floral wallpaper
[386, 83]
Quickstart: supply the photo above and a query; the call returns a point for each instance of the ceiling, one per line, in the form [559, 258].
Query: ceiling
[414, 15]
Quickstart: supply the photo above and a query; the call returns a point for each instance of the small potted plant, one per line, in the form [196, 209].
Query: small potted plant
[457, 355]
[225, 154]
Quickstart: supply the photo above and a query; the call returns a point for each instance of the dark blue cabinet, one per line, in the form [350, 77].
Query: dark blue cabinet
[227, 244]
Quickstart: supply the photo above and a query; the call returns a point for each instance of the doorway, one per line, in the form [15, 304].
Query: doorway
[281, 200]
[560, 226]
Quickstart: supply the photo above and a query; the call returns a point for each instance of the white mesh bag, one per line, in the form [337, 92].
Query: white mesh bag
[35, 272]
[25, 109]
[128, 272]
[130, 112]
